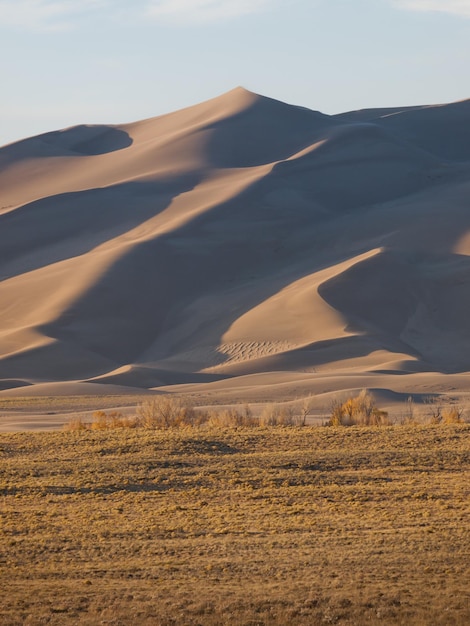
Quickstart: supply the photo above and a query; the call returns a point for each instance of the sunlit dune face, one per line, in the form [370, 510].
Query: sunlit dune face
[463, 245]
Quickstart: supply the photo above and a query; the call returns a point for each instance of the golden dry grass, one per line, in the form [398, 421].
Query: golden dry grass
[246, 526]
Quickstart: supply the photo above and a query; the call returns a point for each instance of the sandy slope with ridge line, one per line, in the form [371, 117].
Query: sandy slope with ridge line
[237, 239]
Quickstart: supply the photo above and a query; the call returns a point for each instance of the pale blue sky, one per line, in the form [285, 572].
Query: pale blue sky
[66, 62]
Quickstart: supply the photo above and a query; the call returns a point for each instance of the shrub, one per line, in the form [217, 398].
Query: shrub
[102, 421]
[231, 418]
[337, 414]
[77, 424]
[164, 412]
[276, 415]
[360, 410]
[449, 415]
[452, 415]
[435, 408]
[305, 409]
[114, 419]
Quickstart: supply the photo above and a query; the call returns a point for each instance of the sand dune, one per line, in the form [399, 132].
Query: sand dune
[241, 237]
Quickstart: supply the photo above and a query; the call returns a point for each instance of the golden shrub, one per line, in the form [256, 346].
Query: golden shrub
[360, 410]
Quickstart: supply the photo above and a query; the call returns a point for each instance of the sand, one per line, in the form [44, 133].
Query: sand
[243, 248]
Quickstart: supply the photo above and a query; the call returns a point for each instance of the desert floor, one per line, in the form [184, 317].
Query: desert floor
[313, 525]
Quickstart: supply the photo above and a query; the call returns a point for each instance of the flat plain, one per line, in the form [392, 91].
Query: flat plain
[259, 526]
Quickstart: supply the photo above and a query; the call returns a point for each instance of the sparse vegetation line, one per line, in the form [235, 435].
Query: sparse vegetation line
[166, 412]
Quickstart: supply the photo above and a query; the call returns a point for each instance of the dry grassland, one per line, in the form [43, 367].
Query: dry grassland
[238, 526]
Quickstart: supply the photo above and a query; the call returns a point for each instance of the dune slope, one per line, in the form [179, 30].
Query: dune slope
[237, 237]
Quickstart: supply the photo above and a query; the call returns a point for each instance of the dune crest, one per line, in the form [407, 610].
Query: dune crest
[236, 238]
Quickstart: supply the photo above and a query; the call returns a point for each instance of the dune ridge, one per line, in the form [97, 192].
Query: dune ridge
[238, 237]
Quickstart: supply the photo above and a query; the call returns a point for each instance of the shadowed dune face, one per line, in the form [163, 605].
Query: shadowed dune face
[237, 237]
[75, 141]
[442, 130]
[73, 224]
[265, 132]
[90, 140]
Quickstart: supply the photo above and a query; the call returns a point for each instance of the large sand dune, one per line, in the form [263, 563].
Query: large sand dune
[237, 238]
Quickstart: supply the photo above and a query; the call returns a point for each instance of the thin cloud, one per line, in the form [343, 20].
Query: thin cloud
[454, 7]
[203, 11]
[44, 15]
[59, 15]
